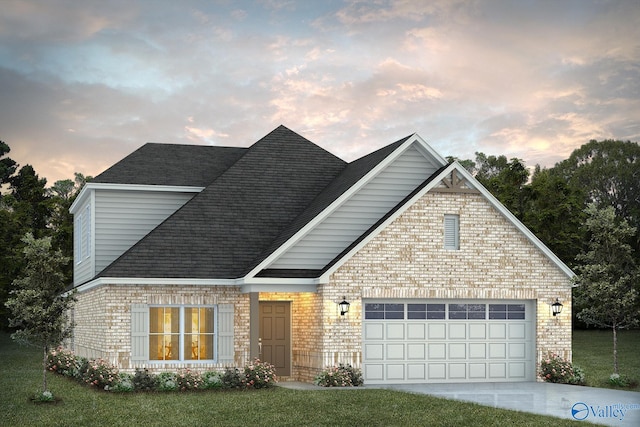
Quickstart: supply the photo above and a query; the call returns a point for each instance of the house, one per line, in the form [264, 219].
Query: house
[203, 257]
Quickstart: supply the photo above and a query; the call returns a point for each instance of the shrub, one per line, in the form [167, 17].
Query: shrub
[231, 378]
[143, 380]
[619, 380]
[260, 374]
[167, 381]
[82, 365]
[212, 380]
[43, 396]
[555, 369]
[62, 362]
[188, 380]
[100, 374]
[354, 373]
[339, 376]
[123, 384]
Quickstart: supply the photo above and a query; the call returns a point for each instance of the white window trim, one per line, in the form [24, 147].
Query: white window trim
[181, 358]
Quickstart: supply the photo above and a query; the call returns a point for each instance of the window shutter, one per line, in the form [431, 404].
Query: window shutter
[226, 351]
[451, 234]
[139, 333]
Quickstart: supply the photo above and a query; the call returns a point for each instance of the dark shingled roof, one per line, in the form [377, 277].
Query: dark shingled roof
[227, 227]
[172, 164]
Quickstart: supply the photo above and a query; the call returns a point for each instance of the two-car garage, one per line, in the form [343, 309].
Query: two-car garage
[448, 341]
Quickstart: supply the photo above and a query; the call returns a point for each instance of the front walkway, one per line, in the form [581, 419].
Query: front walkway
[596, 405]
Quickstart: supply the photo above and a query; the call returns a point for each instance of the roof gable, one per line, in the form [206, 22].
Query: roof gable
[171, 164]
[229, 224]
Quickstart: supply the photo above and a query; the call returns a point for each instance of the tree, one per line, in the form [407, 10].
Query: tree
[506, 180]
[38, 304]
[608, 294]
[7, 165]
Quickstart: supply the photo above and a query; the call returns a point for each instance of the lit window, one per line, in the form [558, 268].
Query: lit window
[452, 232]
[181, 333]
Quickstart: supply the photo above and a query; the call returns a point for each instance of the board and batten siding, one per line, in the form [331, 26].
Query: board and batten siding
[350, 220]
[123, 217]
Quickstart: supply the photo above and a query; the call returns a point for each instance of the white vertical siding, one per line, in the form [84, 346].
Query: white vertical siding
[123, 217]
[82, 249]
[361, 211]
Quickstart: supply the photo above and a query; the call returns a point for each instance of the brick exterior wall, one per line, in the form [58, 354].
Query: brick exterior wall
[406, 260]
[103, 321]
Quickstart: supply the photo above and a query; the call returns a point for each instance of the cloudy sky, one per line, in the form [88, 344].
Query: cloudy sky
[84, 83]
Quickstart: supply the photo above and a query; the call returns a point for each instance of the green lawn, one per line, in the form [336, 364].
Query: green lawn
[21, 376]
[593, 352]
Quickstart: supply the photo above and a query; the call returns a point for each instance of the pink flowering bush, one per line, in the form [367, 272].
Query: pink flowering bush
[339, 376]
[100, 374]
[62, 361]
[259, 374]
[555, 369]
[188, 380]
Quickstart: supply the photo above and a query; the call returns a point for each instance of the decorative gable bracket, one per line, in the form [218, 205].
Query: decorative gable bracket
[454, 183]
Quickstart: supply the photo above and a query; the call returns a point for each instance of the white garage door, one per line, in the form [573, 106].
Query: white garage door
[448, 341]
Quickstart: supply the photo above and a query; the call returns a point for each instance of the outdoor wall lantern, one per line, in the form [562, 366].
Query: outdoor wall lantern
[344, 307]
[556, 307]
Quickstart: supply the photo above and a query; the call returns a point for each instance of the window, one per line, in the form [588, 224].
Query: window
[467, 311]
[181, 333]
[506, 311]
[452, 232]
[384, 311]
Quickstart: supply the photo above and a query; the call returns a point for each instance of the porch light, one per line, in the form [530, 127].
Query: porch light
[556, 307]
[344, 307]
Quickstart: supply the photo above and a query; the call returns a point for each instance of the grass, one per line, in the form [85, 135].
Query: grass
[593, 352]
[21, 377]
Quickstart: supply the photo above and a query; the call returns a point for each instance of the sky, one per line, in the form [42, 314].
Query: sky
[85, 83]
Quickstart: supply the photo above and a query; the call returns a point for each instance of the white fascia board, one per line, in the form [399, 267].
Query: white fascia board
[154, 281]
[130, 187]
[473, 182]
[255, 287]
[331, 208]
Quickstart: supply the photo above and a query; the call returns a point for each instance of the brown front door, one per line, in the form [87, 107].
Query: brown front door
[275, 335]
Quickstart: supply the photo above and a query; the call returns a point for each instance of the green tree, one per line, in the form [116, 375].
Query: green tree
[608, 172]
[608, 294]
[505, 179]
[38, 303]
[7, 165]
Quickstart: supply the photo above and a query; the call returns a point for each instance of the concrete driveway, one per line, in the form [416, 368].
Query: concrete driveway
[595, 405]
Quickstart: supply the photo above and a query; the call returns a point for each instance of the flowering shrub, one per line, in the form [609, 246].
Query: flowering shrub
[123, 384]
[143, 380]
[259, 374]
[188, 380]
[212, 380]
[340, 376]
[231, 378]
[555, 369]
[62, 361]
[100, 374]
[619, 381]
[167, 381]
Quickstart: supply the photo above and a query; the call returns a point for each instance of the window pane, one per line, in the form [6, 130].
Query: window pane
[516, 307]
[394, 311]
[477, 311]
[416, 315]
[497, 307]
[497, 315]
[416, 307]
[374, 315]
[457, 311]
[206, 320]
[156, 316]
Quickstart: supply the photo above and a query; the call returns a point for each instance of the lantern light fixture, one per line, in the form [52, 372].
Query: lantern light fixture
[344, 307]
[556, 307]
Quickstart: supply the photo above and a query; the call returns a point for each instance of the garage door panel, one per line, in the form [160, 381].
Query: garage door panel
[432, 347]
[457, 351]
[395, 352]
[395, 331]
[373, 331]
[437, 351]
[436, 331]
[374, 352]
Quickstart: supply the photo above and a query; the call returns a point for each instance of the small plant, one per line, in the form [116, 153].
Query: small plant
[43, 396]
[339, 376]
[555, 369]
[259, 374]
[143, 380]
[62, 362]
[100, 374]
[212, 380]
[188, 380]
[123, 384]
[619, 380]
[82, 366]
[167, 381]
[231, 378]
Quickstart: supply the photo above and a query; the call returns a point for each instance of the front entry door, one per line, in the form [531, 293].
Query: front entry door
[275, 335]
